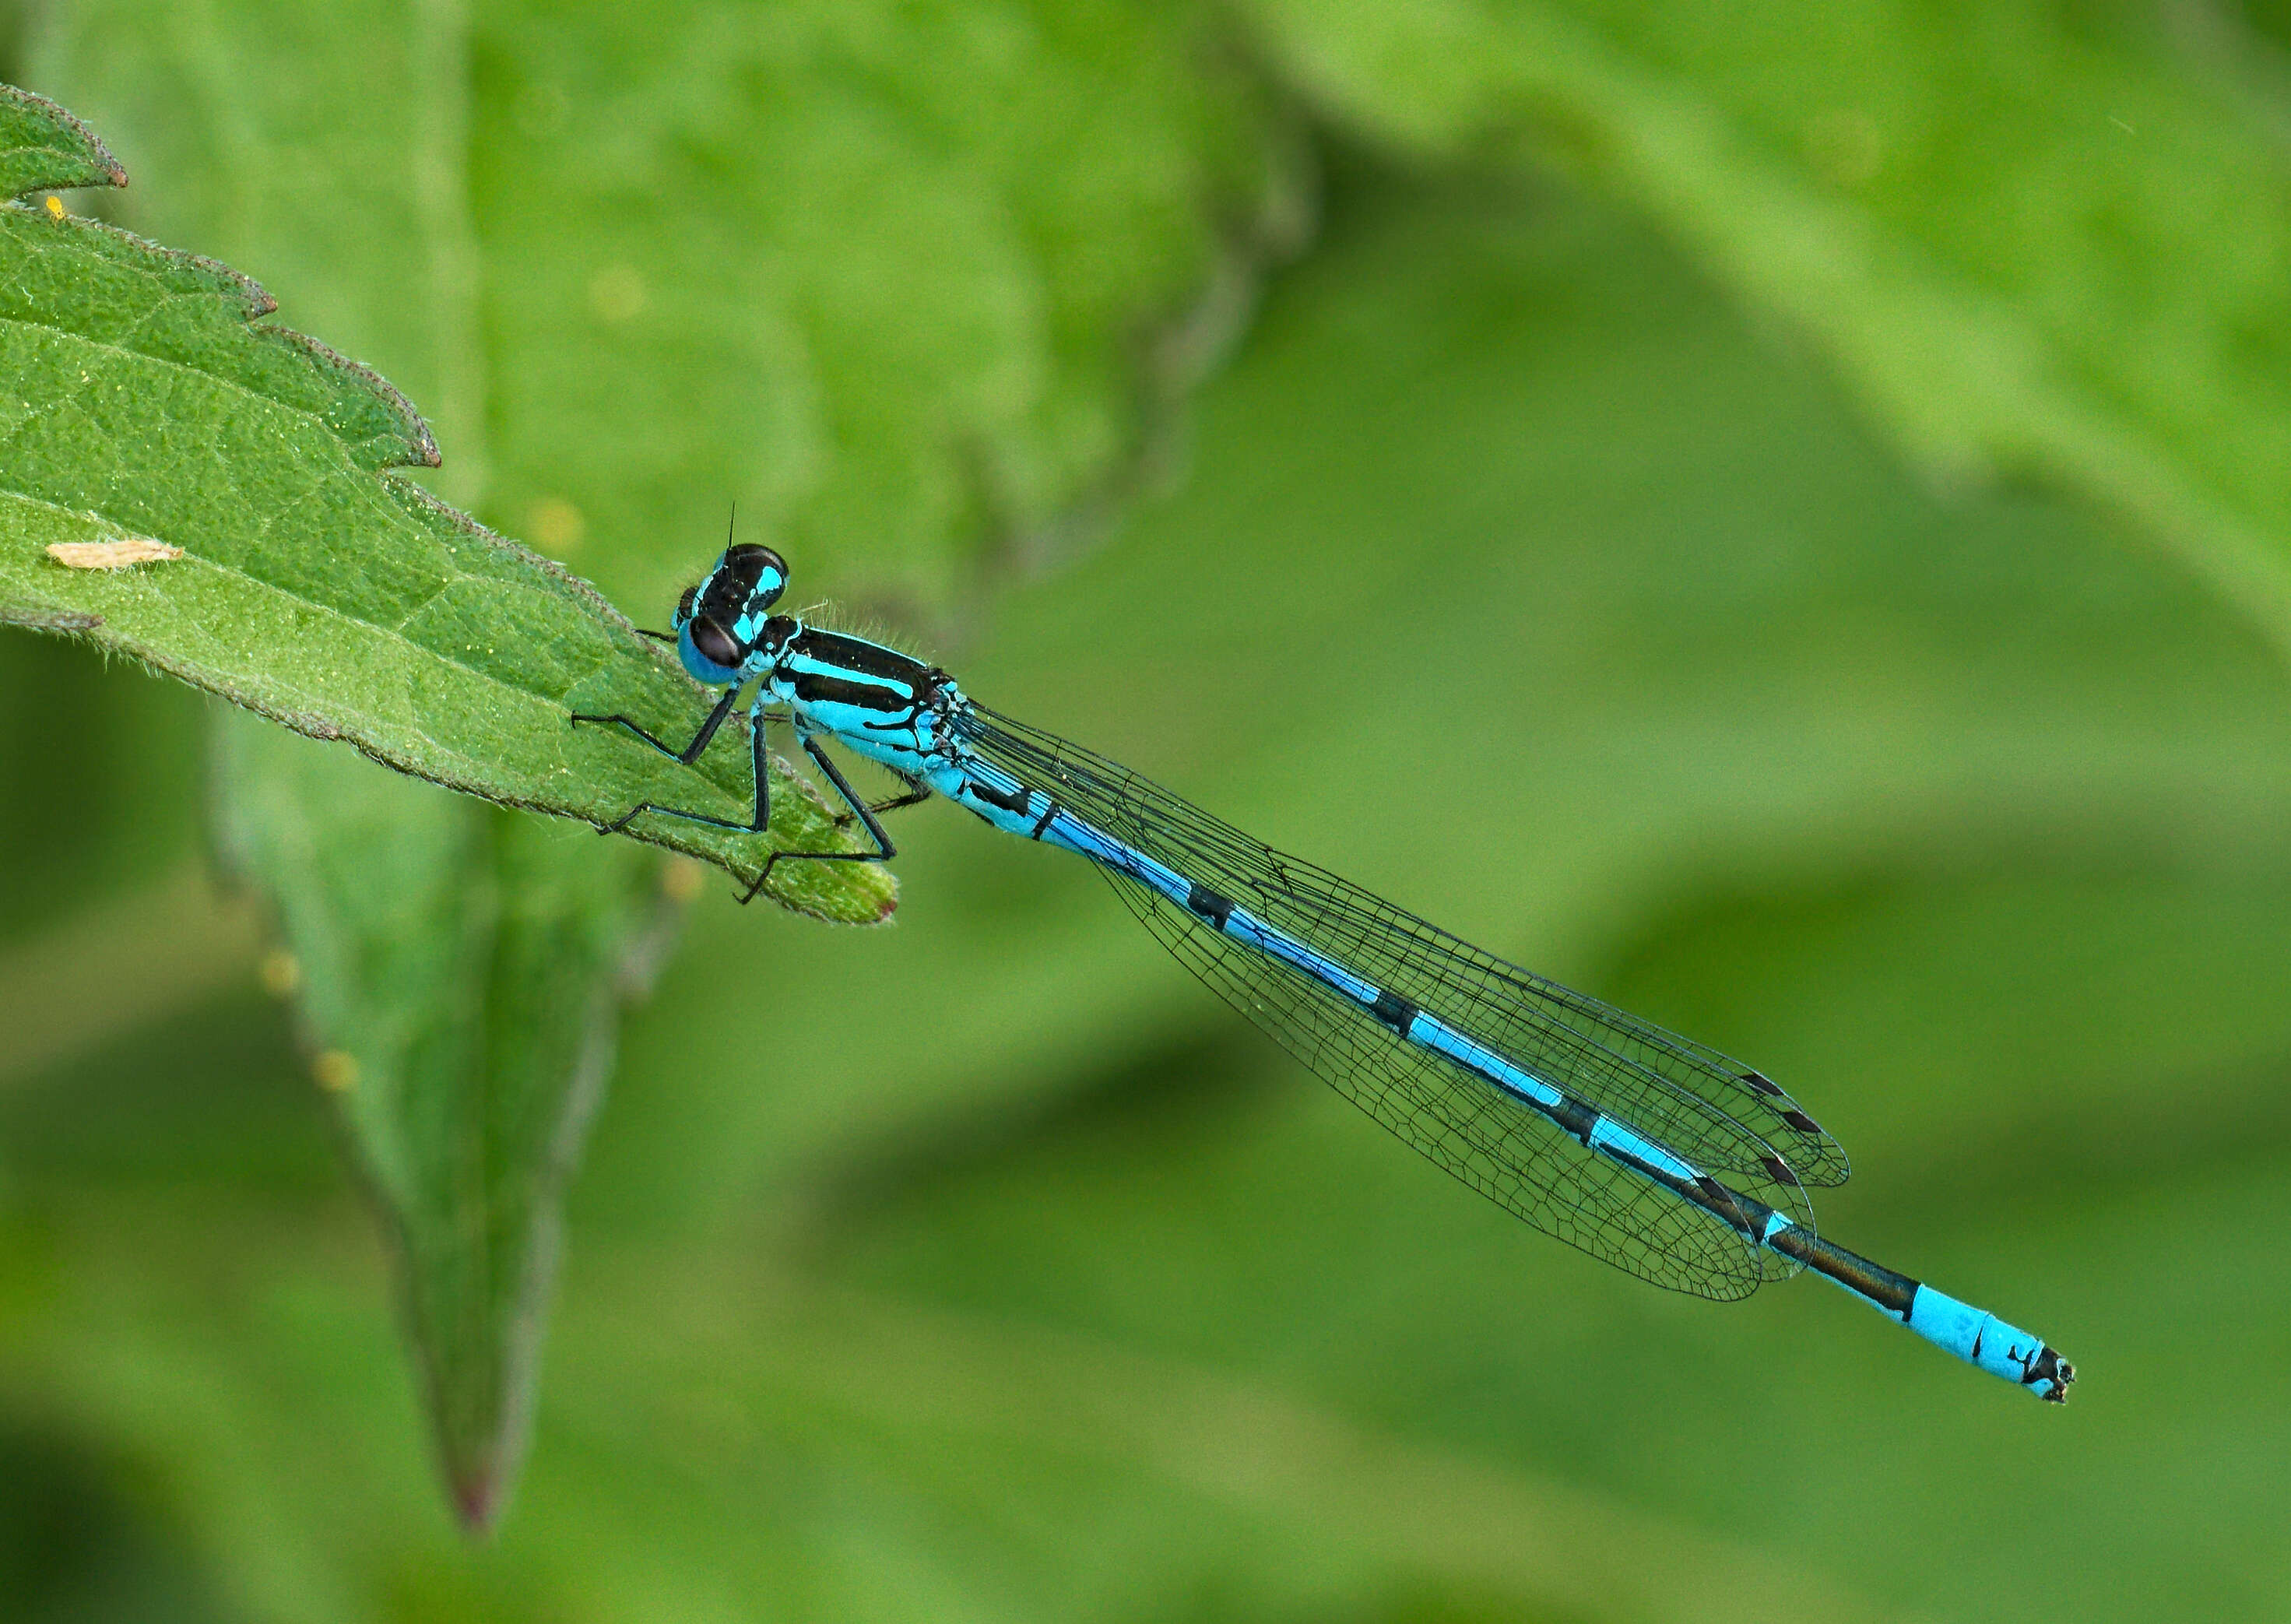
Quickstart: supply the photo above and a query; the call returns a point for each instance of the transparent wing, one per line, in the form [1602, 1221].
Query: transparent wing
[1725, 1118]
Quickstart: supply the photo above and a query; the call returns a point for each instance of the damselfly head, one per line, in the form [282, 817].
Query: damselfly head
[719, 621]
[758, 573]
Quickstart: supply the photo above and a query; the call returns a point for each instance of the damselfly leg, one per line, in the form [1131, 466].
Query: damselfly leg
[685, 757]
[917, 794]
[865, 815]
[884, 850]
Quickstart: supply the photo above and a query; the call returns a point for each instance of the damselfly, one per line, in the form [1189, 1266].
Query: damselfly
[1662, 1157]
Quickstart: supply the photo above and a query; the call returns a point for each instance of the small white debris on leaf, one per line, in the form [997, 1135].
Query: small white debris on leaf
[112, 555]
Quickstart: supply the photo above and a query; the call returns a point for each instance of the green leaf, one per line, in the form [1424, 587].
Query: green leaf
[2043, 240]
[41, 145]
[473, 969]
[463, 966]
[146, 401]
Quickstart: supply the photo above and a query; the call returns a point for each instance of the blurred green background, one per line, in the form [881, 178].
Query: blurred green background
[1774, 515]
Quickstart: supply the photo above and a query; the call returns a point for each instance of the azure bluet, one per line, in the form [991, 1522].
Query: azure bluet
[1646, 1150]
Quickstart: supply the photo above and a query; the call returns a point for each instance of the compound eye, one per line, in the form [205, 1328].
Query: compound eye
[683, 605]
[715, 645]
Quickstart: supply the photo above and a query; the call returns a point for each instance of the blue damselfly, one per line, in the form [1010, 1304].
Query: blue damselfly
[1648, 1151]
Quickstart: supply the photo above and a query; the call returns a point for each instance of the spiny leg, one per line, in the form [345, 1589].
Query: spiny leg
[690, 753]
[885, 851]
[685, 758]
[918, 792]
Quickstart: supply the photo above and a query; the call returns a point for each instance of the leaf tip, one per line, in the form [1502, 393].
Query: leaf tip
[477, 1501]
[52, 150]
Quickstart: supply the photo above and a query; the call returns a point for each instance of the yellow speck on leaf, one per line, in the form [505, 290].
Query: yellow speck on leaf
[55, 207]
[336, 1070]
[112, 555]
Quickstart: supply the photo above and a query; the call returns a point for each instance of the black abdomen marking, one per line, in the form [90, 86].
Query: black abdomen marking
[1013, 802]
[1210, 905]
[1394, 1010]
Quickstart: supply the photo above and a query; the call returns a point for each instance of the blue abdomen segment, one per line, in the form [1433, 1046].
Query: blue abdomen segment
[1980, 1338]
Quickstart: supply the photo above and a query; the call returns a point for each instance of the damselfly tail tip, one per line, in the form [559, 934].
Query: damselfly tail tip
[2051, 1375]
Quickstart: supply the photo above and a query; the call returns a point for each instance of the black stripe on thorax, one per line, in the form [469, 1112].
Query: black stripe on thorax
[818, 689]
[858, 655]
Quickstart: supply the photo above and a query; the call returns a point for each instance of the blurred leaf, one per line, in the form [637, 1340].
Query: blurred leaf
[147, 403]
[474, 992]
[920, 285]
[2052, 240]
